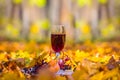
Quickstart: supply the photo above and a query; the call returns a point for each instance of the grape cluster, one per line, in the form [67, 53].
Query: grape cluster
[62, 64]
[33, 70]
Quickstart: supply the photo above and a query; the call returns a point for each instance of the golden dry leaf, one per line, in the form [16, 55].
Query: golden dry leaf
[98, 76]
[111, 73]
[80, 55]
[12, 76]
[60, 78]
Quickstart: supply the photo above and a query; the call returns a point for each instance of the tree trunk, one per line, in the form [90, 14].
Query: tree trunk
[54, 11]
[25, 19]
[94, 19]
[65, 18]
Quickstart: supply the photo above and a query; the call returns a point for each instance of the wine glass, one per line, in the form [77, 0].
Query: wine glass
[58, 38]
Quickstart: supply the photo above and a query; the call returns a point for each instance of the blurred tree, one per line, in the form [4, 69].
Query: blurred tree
[35, 21]
[66, 18]
[94, 19]
[106, 16]
[13, 17]
[16, 11]
[82, 10]
[83, 19]
[103, 9]
[117, 14]
[2, 13]
[54, 11]
[26, 19]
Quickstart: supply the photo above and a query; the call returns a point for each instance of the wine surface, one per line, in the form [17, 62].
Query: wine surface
[57, 41]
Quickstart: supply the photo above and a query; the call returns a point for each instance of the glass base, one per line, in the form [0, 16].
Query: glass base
[64, 72]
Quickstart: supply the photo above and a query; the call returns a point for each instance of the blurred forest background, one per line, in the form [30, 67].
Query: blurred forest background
[84, 20]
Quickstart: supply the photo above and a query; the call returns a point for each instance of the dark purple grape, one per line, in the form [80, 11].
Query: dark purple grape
[33, 70]
[61, 63]
[67, 67]
[67, 59]
[25, 71]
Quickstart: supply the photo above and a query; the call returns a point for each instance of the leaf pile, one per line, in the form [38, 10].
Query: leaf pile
[98, 61]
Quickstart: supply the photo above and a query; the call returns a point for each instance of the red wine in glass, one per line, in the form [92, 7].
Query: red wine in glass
[58, 41]
[58, 38]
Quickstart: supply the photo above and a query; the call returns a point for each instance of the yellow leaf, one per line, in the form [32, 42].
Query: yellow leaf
[11, 76]
[80, 75]
[32, 2]
[17, 1]
[109, 30]
[3, 57]
[60, 78]
[85, 29]
[80, 55]
[82, 3]
[11, 30]
[97, 76]
[103, 1]
[41, 3]
[45, 24]
[34, 29]
[111, 73]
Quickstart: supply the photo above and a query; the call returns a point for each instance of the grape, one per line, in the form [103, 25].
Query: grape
[43, 62]
[67, 67]
[61, 63]
[67, 59]
[25, 69]
[33, 70]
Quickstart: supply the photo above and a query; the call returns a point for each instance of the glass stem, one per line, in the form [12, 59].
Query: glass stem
[57, 55]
